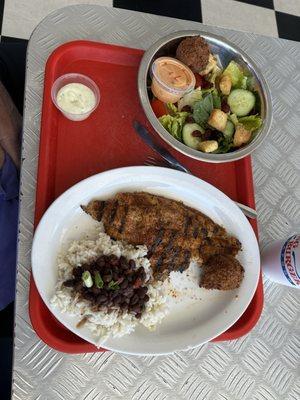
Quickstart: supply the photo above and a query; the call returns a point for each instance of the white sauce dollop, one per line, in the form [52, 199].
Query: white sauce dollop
[76, 98]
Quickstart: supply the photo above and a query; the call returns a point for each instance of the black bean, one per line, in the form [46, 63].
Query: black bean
[128, 292]
[78, 286]
[114, 260]
[134, 299]
[77, 272]
[136, 308]
[95, 290]
[146, 298]
[106, 278]
[94, 267]
[143, 275]
[101, 298]
[141, 291]
[123, 262]
[86, 267]
[70, 283]
[124, 268]
[115, 276]
[124, 284]
[88, 296]
[109, 294]
[132, 264]
[118, 299]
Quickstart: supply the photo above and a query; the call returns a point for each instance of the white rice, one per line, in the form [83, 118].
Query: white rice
[104, 325]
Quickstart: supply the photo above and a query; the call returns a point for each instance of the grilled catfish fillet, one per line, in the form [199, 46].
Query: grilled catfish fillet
[173, 232]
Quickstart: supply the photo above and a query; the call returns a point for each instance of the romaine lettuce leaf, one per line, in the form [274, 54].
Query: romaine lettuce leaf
[250, 83]
[172, 109]
[251, 123]
[224, 145]
[244, 81]
[214, 74]
[202, 109]
[235, 73]
[257, 106]
[174, 123]
[189, 99]
[216, 99]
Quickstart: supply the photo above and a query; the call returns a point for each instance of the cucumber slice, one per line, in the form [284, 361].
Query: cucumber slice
[241, 102]
[229, 130]
[188, 138]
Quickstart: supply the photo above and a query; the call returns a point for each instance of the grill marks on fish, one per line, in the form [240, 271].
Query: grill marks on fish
[123, 219]
[173, 232]
[113, 212]
[188, 221]
[156, 242]
[162, 263]
[196, 232]
[95, 208]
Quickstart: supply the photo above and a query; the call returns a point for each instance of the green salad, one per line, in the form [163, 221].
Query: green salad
[219, 116]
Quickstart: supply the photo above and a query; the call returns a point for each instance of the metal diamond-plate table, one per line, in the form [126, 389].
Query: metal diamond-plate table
[260, 366]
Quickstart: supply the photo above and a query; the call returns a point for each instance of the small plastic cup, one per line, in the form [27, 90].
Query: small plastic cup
[281, 260]
[166, 92]
[75, 78]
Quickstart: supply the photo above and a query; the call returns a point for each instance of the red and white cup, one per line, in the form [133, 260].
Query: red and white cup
[281, 261]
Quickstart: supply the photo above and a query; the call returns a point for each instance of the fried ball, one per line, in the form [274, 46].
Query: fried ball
[194, 52]
[222, 272]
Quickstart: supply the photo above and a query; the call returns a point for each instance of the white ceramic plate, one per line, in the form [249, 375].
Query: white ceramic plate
[190, 323]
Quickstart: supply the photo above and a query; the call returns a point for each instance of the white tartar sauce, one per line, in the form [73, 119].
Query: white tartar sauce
[76, 98]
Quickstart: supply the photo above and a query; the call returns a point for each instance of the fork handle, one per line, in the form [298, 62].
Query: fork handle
[173, 162]
[248, 211]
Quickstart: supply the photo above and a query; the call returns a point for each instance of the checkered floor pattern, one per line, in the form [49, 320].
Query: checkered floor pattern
[278, 18]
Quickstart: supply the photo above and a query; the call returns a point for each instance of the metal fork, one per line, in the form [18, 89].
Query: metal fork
[154, 162]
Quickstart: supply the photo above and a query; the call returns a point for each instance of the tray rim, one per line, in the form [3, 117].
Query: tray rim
[35, 301]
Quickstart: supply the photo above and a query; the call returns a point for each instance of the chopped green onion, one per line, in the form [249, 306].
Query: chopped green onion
[113, 285]
[87, 279]
[98, 280]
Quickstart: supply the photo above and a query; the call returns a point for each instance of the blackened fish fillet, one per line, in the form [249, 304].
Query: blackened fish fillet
[173, 232]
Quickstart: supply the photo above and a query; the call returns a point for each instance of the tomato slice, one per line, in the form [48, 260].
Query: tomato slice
[159, 108]
[199, 80]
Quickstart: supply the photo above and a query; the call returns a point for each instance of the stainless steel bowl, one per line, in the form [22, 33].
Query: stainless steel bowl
[226, 51]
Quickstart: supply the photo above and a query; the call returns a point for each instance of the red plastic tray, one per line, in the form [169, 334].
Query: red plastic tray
[71, 151]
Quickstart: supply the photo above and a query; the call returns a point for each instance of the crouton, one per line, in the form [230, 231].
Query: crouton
[241, 136]
[208, 146]
[217, 119]
[225, 84]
